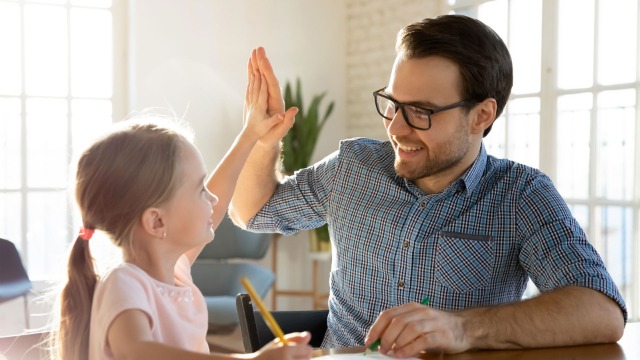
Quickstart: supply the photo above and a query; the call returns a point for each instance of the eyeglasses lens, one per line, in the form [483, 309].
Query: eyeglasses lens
[386, 108]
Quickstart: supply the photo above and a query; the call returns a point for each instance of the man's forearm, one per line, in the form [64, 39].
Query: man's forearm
[257, 182]
[567, 316]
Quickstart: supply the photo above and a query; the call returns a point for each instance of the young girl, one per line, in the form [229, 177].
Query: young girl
[143, 186]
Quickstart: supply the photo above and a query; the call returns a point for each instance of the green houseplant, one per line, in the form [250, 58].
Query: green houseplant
[300, 142]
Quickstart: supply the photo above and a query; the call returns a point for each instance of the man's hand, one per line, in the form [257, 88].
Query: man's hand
[554, 318]
[411, 328]
[259, 66]
[259, 177]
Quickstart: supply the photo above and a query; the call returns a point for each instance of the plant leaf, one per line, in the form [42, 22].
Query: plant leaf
[299, 143]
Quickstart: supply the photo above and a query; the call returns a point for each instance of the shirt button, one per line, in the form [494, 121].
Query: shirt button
[405, 244]
[401, 284]
[423, 204]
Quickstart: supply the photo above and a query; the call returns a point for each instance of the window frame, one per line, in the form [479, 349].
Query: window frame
[118, 99]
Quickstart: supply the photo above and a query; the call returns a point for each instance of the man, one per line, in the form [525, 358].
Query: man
[428, 214]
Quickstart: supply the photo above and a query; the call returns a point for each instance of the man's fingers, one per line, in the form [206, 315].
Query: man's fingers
[265, 65]
[275, 103]
[290, 116]
[435, 340]
[267, 70]
[382, 323]
[420, 343]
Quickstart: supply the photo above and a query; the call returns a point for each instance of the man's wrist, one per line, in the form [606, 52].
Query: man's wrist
[269, 145]
[264, 153]
[473, 329]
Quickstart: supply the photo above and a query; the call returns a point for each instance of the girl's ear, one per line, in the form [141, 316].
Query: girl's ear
[485, 115]
[153, 223]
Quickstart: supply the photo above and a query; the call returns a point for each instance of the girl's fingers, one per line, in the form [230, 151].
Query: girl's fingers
[256, 90]
[254, 61]
[247, 95]
[252, 90]
[249, 68]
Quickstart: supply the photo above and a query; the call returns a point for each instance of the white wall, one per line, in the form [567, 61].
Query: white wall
[371, 35]
[191, 55]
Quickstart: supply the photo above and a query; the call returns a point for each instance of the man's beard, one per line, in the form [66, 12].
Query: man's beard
[448, 156]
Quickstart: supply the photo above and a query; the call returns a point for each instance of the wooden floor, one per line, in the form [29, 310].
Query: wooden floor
[23, 347]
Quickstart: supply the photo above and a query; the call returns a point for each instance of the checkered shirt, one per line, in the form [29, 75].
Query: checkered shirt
[474, 244]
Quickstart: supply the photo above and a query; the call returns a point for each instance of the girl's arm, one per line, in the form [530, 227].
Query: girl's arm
[261, 173]
[129, 337]
[223, 179]
[222, 182]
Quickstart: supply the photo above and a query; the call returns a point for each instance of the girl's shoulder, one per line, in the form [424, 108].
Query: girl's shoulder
[124, 277]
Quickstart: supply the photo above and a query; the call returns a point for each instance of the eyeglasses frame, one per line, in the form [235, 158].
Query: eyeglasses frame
[400, 106]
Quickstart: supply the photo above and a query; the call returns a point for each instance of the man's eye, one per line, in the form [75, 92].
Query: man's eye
[419, 111]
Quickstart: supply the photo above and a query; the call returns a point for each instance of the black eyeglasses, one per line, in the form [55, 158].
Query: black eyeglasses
[417, 117]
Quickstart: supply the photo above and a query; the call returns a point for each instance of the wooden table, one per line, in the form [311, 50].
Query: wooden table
[627, 348]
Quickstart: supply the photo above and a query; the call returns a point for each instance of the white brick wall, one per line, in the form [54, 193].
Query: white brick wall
[372, 26]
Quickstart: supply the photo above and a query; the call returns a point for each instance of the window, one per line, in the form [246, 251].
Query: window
[573, 114]
[57, 76]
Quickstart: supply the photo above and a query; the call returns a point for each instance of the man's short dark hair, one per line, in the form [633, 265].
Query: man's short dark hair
[482, 57]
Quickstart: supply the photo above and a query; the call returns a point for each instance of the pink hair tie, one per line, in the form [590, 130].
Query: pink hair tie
[85, 233]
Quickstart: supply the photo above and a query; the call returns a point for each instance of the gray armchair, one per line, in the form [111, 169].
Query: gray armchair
[220, 266]
[14, 281]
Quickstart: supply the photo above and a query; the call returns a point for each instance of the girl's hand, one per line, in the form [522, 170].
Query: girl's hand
[263, 99]
[256, 121]
[297, 348]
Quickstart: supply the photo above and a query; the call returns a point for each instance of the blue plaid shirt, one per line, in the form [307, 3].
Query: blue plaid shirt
[474, 244]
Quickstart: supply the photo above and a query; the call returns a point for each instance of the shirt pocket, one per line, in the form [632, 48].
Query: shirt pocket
[464, 262]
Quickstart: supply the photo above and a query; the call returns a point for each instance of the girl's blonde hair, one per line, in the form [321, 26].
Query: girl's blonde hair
[132, 168]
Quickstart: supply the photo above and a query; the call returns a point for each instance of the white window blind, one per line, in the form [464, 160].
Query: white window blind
[573, 113]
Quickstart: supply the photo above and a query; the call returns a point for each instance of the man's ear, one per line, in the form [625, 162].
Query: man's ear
[153, 223]
[485, 115]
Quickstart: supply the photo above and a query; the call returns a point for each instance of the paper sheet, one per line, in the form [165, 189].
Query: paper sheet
[360, 356]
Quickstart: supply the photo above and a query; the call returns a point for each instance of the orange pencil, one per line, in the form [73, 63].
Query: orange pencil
[268, 318]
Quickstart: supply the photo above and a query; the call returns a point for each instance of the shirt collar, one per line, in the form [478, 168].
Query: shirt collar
[471, 177]
[467, 182]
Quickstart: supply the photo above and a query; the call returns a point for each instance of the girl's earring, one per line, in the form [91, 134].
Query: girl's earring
[164, 235]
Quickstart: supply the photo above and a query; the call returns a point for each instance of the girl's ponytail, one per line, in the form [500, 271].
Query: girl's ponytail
[75, 302]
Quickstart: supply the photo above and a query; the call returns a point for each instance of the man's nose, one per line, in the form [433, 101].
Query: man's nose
[398, 125]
